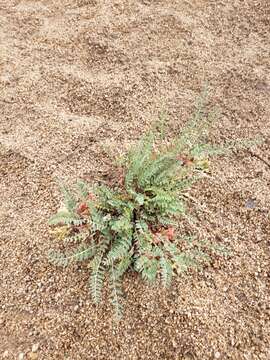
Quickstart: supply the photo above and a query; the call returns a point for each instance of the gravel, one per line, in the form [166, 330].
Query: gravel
[80, 81]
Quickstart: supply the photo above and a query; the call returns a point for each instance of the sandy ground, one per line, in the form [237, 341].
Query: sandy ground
[79, 77]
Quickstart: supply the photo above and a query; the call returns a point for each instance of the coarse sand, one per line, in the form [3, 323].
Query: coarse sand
[81, 78]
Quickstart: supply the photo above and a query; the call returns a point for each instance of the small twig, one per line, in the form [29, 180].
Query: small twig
[213, 178]
[202, 208]
[258, 157]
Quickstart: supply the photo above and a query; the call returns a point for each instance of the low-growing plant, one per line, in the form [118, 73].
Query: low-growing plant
[132, 223]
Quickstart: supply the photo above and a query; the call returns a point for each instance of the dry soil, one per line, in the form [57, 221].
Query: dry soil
[79, 77]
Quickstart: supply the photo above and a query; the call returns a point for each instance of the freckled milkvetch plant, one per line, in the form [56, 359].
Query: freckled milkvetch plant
[131, 224]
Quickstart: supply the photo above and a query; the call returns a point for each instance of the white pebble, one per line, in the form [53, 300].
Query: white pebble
[35, 347]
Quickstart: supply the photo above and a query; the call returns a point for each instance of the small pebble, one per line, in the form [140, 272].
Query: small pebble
[250, 204]
[217, 355]
[5, 354]
[21, 356]
[35, 348]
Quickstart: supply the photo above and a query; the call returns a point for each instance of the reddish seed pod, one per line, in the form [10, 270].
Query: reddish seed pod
[186, 161]
[170, 233]
[82, 208]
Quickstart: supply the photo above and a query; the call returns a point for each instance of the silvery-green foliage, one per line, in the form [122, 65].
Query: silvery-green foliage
[131, 225]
